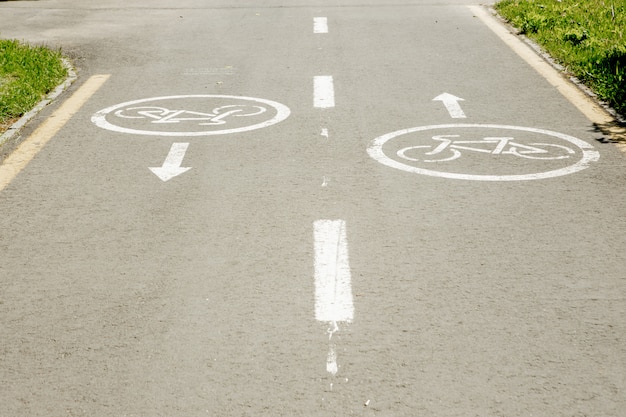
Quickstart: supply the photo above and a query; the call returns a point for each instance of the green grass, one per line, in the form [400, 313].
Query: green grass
[27, 74]
[587, 37]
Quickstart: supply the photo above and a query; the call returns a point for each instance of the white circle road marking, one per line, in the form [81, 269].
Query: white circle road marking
[589, 154]
[100, 117]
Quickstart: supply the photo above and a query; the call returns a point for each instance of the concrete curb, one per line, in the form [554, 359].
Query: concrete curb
[13, 131]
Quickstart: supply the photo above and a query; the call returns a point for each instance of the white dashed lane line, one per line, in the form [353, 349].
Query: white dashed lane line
[320, 25]
[323, 92]
[333, 287]
[333, 283]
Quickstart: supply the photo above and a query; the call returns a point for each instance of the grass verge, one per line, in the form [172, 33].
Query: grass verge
[587, 37]
[27, 74]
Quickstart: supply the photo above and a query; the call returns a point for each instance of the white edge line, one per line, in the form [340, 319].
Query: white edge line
[16, 127]
[572, 93]
[19, 158]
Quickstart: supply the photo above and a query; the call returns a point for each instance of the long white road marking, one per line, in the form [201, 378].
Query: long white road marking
[333, 282]
[451, 102]
[171, 167]
[13, 164]
[323, 92]
[320, 25]
[333, 287]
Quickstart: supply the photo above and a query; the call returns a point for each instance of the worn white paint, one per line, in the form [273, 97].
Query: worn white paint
[333, 286]
[324, 132]
[331, 361]
[589, 154]
[172, 165]
[323, 92]
[451, 102]
[331, 357]
[281, 113]
[320, 25]
[27, 150]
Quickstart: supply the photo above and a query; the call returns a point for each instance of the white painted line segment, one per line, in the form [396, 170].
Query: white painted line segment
[323, 92]
[451, 102]
[320, 25]
[333, 286]
[331, 358]
[172, 165]
[333, 282]
[15, 128]
[331, 361]
[48, 129]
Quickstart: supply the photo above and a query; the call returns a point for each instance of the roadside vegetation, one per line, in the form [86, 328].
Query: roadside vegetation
[587, 37]
[27, 74]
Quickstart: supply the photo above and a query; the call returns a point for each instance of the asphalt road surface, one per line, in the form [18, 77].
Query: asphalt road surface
[284, 208]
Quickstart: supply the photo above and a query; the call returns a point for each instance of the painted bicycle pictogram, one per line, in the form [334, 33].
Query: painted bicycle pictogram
[444, 149]
[191, 115]
[483, 152]
[219, 115]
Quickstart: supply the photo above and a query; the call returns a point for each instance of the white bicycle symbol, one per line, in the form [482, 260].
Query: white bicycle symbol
[191, 115]
[449, 150]
[218, 116]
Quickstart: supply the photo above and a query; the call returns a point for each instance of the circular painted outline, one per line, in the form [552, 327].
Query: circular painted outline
[99, 118]
[589, 154]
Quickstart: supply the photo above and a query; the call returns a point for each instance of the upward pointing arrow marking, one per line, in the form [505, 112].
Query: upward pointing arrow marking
[452, 105]
[171, 167]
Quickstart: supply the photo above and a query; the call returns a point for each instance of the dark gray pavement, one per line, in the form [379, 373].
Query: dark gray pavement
[474, 295]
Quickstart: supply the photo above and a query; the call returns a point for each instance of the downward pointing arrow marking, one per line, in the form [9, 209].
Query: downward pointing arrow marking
[171, 167]
[452, 105]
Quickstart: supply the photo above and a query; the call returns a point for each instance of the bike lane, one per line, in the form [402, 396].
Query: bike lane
[135, 296]
[501, 304]
[197, 294]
